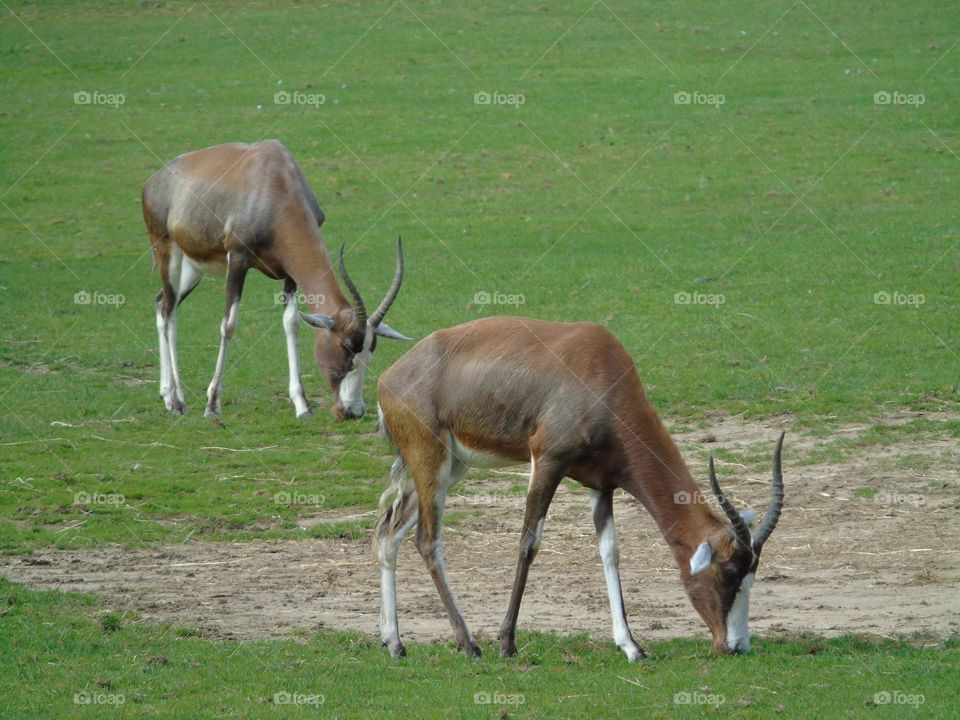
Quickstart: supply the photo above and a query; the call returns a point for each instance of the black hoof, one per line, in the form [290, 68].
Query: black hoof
[472, 649]
[398, 650]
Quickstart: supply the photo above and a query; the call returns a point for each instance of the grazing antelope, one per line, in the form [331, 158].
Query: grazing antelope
[229, 208]
[566, 397]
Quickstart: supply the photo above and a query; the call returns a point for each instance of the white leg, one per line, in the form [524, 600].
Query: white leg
[170, 387]
[602, 504]
[166, 378]
[291, 327]
[388, 547]
[214, 392]
[183, 276]
[180, 277]
[236, 272]
[174, 366]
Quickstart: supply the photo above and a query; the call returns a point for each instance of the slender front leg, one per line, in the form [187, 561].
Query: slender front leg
[291, 327]
[602, 503]
[544, 479]
[236, 272]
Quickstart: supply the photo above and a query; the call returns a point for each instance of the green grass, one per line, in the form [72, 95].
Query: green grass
[494, 199]
[797, 200]
[53, 649]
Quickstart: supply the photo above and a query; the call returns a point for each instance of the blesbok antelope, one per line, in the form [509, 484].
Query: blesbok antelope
[567, 398]
[229, 208]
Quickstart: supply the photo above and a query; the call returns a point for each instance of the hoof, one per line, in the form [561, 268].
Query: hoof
[305, 414]
[509, 650]
[635, 653]
[472, 649]
[211, 412]
[177, 407]
[397, 650]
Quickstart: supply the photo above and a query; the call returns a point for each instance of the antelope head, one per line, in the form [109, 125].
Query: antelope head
[723, 567]
[345, 341]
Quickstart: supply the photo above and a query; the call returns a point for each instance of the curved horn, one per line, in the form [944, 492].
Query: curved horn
[776, 502]
[394, 288]
[740, 530]
[360, 310]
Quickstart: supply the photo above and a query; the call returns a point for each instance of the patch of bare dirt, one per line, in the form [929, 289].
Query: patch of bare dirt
[838, 563]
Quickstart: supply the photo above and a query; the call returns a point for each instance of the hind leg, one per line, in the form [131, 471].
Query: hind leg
[394, 526]
[236, 273]
[440, 473]
[179, 277]
[166, 378]
[425, 448]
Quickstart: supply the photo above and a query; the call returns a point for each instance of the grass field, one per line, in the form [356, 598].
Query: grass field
[757, 198]
[130, 670]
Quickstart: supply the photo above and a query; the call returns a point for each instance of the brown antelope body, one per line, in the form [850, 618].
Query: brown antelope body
[230, 208]
[566, 398]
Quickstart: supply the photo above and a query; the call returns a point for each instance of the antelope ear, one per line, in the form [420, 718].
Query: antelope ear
[701, 558]
[748, 515]
[384, 330]
[324, 322]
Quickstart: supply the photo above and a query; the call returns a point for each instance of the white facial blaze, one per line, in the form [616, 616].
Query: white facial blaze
[738, 631]
[351, 387]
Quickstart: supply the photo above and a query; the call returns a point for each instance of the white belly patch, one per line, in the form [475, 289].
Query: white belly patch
[477, 458]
